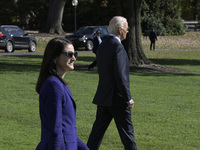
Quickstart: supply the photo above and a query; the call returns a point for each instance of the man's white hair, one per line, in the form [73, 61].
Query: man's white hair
[115, 23]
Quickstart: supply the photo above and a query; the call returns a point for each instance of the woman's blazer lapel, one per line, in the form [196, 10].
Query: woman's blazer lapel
[70, 95]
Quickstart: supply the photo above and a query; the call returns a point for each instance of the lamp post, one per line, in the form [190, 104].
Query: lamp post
[74, 3]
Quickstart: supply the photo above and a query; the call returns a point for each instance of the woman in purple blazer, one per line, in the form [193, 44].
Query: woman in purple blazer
[56, 104]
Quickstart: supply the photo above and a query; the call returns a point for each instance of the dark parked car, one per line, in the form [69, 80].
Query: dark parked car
[14, 38]
[85, 35]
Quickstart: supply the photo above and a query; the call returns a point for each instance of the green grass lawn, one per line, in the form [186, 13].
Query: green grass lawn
[166, 115]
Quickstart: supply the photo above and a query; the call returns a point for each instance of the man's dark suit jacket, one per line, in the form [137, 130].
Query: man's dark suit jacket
[96, 44]
[113, 66]
[152, 36]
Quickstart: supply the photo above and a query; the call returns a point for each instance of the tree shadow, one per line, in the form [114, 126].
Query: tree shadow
[157, 69]
[33, 64]
[144, 71]
[86, 58]
[176, 61]
[150, 73]
[26, 56]
[160, 70]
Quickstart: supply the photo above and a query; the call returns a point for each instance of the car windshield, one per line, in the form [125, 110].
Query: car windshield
[85, 31]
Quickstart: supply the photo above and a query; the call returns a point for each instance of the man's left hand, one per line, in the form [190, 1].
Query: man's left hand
[131, 104]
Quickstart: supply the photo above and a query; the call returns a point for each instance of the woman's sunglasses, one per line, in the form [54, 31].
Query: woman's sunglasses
[70, 54]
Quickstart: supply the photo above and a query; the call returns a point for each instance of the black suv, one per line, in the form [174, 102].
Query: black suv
[14, 38]
[85, 35]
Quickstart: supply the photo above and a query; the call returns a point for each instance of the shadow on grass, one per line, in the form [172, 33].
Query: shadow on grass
[86, 58]
[176, 61]
[141, 71]
[32, 56]
[163, 74]
[20, 63]
[26, 63]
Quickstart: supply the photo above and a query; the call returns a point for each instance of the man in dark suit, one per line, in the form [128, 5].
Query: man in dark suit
[97, 42]
[153, 38]
[113, 98]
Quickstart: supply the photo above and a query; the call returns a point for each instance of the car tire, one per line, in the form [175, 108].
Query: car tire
[89, 45]
[9, 47]
[32, 46]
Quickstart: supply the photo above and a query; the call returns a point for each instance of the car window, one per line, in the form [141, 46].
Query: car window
[10, 30]
[14, 31]
[20, 31]
[104, 31]
[85, 31]
[6, 30]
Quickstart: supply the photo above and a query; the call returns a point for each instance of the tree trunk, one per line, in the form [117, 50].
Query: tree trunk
[133, 44]
[55, 15]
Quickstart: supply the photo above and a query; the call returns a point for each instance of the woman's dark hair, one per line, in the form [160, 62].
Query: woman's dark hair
[53, 49]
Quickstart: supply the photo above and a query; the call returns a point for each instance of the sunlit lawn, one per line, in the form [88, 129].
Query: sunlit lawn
[189, 41]
[166, 115]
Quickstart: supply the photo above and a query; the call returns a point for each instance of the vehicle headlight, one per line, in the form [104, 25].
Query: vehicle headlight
[84, 38]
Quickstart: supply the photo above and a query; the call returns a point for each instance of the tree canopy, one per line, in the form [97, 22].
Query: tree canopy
[57, 16]
[190, 9]
[165, 16]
